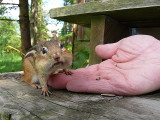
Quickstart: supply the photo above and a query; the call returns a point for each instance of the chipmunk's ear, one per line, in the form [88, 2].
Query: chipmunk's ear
[55, 37]
[41, 41]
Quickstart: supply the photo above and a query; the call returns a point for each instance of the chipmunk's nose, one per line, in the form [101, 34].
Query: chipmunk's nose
[57, 58]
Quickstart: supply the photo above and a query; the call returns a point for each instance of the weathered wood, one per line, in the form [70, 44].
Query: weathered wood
[19, 101]
[104, 30]
[130, 12]
[96, 37]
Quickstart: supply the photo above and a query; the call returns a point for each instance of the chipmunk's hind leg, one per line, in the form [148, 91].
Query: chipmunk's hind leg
[30, 76]
[32, 80]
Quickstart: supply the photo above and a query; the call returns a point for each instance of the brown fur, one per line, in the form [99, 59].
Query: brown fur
[37, 66]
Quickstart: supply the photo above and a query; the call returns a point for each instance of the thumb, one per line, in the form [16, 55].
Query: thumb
[106, 51]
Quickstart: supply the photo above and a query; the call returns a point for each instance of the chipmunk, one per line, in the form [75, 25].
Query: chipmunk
[44, 59]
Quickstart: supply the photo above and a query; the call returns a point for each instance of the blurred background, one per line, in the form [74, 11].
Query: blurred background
[18, 34]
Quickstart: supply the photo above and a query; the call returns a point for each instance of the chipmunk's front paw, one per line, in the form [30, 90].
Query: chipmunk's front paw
[67, 72]
[37, 86]
[45, 92]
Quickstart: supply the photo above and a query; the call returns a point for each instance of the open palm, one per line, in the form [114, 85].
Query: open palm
[132, 67]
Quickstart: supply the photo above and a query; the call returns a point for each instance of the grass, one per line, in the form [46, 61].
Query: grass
[13, 62]
[10, 62]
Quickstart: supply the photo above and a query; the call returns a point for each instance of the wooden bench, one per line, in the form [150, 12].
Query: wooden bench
[110, 21]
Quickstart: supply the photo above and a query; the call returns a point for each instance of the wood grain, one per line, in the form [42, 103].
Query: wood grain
[134, 13]
[104, 30]
[20, 101]
[96, 37]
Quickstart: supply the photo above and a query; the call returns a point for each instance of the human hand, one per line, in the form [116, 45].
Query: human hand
[132, 68]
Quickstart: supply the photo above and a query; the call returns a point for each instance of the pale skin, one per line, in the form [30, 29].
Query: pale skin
[132, 67]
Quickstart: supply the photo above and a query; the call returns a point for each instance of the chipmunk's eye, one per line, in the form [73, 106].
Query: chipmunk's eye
[44, 50]
[61, 45]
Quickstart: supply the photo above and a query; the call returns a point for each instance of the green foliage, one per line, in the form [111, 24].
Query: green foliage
[42, 22]
[69, 47]
[81, 58]
[15, 50]
[10, 43]
[65, 38]
[69, 2]
[66, 32]
[9, 35]
[3, 10]
[40, 19]
[81, 51]
[10, 62]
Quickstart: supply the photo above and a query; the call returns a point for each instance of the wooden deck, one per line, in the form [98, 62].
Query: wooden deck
[19, 101]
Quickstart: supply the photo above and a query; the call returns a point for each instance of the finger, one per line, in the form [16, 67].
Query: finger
[106, 51]
[134, 46]
[90, 86]
[96, 79]
[59, 81]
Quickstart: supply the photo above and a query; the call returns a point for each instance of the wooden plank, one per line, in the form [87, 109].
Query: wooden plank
[19, 101]
[104, 30]
[96, 37]
[126, 11]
